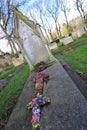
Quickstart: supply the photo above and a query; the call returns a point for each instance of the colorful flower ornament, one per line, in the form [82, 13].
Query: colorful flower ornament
[35, 125]
[34, 118]
[40, 77]
[35, 110]
[38, 95]
[29, 105]
[39, 99]
[34, 101]
[38, 86]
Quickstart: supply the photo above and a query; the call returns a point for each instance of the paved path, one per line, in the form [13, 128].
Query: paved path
[68, 108]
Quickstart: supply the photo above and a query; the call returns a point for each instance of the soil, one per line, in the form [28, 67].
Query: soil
[83, 77]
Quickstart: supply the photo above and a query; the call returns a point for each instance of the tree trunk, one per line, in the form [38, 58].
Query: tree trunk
[8, 38]
[12, 50]
[14, 46]
[58, 30]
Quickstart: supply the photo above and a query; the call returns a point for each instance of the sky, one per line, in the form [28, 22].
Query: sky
[44, 3]
[28, 4]
[72, 13]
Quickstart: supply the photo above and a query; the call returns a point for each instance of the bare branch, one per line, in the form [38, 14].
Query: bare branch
[6, 18]
[80, 4]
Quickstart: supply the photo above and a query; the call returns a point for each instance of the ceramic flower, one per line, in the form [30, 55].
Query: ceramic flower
[35, 110]
[38, 95]
[40, 101]
[34, 118]
[35, 125]
[38, 86]
[39, 76]
[29, 105]
[34, 101]
[47, 100]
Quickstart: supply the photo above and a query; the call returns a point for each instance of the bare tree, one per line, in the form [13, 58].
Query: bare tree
[65, 9]
[54, 13]
[6, 20]
[80, 5]
[38, 14]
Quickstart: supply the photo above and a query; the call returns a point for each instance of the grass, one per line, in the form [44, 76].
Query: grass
[77, 59]
[77, 41]
[12, 90]
[10, 69]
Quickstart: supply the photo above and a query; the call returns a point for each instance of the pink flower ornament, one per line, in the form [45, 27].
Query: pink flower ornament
[34, 101]
[34, 118]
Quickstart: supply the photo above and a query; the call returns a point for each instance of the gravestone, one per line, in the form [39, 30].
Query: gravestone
[31, 40]
[78, 33]
[53, 46]
[17, 61]
[8, 58]
[3, 62]
[66, 40]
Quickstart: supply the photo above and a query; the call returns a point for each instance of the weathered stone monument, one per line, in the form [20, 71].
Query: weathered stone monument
[66, 40]
[31, 40]
[78, 33]
[53, 46]
[17, 61]
[8, 58]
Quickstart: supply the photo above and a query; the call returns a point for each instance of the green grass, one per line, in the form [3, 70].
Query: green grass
[12, 90]
[77, 59]
[60, 46]
[77, 41]
[7, 71]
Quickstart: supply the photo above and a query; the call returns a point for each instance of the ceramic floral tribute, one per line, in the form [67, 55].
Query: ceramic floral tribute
[39, 99]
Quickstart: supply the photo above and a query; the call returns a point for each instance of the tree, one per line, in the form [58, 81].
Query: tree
[37, 15]
[76, 23]
[48, 27]
[80, 5]
[53, 11]
[6, 21]
[65, 9]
